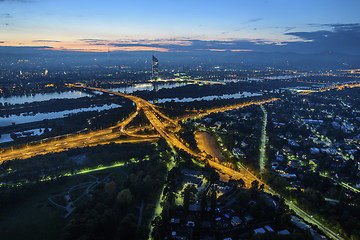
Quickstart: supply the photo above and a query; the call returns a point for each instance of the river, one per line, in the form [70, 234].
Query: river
[149, 87]
[210, 98]
[7, 136]
[26, 118]
[39, 97]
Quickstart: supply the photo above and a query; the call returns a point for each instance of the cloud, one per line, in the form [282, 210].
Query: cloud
[289, 29]
[225, 50]
[47, 41]
[339, 38]
[157, 45]
[246, 23]
[142, 48]
[5, 15]
[339, 26]
[335, 37]
[253, 20]
[147, 42]
[23, 50]
[186, 45]
[92, 40]
[316, 35]
[244, 27]
[77, 49]
[25, 47]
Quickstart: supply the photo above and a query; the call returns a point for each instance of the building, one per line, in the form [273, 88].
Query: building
[155, 68]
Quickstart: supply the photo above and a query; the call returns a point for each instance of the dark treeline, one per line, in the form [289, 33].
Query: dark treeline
[53, 165]
[114, 210]
[187, 134]
[195, 90]
[32, 88]
[177, 109]
[139, 121]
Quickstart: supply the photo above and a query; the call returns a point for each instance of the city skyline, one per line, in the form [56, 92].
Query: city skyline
[163, 26]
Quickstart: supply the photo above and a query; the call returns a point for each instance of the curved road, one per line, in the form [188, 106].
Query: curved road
[166, 130]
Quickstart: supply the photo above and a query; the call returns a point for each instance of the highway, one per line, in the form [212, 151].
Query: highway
[166, 128]
[73, 141]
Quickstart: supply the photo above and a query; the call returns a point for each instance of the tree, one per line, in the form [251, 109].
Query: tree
[203, 203]
[158, 228]
[189, 193]
[124, 197]
[232, 182]
[213, 176]
[213, 199]
[171, 184]
[236, 183]
[110, 188]
[127, 228]
[241, 183]
[255, 184]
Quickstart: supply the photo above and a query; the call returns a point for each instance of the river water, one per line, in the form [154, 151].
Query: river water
[7, 138]
[210, 98]
[26, 118]
[39, 97]
[148, 87]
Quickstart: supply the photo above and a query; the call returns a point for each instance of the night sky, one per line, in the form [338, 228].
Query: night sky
[306, 26]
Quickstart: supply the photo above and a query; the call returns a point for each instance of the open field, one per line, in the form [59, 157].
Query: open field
[206, 143]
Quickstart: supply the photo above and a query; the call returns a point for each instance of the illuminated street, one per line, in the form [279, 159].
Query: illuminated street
[181, 120]
[166, 128]
[263, 141]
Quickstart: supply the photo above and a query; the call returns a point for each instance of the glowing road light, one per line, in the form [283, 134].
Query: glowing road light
[150, 112]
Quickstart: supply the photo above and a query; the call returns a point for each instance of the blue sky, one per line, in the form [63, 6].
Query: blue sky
[197, 25]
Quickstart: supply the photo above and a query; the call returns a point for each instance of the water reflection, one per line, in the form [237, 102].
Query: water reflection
[26, 118]
[43, 97]
[7, 137]
[148, 87]
[39, 97]
[210, 98]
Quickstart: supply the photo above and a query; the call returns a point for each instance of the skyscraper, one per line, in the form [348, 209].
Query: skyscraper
[155, 68]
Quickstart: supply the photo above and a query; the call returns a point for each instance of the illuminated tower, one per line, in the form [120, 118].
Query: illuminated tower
[155, 68]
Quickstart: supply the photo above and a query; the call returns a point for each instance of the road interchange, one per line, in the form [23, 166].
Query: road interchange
[165, 129]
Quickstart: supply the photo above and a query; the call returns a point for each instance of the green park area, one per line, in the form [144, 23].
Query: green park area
[116, 198]
[37, 218]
